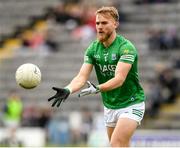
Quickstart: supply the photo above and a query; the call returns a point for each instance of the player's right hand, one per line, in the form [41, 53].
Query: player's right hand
[61, 95]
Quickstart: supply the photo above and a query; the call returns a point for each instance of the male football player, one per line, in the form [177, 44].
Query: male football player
[115, 60]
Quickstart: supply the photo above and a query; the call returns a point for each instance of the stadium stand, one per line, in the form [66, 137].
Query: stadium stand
[58, 68]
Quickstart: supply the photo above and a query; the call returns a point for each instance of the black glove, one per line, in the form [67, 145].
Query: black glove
[61, 95]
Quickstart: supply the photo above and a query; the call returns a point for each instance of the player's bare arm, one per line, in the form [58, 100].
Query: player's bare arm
[121, 73]
[79, 81]
[62, 93]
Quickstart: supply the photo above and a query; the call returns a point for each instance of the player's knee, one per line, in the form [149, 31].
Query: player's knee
[119, 142]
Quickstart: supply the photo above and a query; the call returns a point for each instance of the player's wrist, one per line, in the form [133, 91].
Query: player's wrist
[98, 88]
[68, 89]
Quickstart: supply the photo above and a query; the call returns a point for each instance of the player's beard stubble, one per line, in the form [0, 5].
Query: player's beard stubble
[103, 37]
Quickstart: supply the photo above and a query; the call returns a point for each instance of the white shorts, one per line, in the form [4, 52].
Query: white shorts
[135, 112]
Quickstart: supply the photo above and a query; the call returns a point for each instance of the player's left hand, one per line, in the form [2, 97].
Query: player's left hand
[61, 95]
[92, 89]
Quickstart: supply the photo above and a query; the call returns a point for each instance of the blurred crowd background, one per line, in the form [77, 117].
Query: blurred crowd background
[54, 34]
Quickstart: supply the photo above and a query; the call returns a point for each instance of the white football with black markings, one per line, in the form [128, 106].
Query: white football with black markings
[28, 76]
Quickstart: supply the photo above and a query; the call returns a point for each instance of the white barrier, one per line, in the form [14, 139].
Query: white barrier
[29, 137]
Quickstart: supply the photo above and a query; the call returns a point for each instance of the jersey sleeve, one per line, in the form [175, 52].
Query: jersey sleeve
[128, 53]
[88, 56]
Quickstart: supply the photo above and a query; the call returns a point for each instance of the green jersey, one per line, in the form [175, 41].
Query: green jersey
[105, 61]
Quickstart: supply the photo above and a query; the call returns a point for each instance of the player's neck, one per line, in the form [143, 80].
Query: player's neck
[110, 40]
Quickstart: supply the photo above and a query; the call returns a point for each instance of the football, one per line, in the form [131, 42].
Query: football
[28, 76]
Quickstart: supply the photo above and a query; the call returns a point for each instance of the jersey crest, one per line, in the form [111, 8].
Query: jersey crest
[126, 51]
[114, 57]
[105, 56]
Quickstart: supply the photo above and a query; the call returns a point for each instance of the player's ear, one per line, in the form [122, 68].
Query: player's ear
[116, 24]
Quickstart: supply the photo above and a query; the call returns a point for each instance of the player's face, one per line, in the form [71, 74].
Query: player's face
[105, 26]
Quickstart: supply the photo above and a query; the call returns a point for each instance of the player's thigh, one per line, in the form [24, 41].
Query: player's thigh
[124, 129]
[109, 132]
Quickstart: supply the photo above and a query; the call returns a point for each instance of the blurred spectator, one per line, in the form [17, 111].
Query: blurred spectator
[163, 39]
[77, 17]
[13, 109]
[154, 98]
[169, 85]
[87, 124]
[27, 116]
[122, 15]
[163, 89]
[39, 37]
[34, 116]
[58, 131]
[67, 11]
[171, 40]
[176, 63]
[50, 42]
[85, 31]
[45, 117]
[153, 39]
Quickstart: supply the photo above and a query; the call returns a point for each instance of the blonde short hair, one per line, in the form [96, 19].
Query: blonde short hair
[112, 11]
